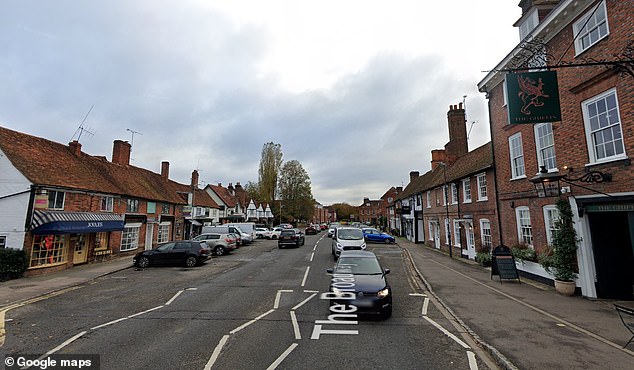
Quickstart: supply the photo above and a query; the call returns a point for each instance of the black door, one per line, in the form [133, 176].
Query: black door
[613, 256]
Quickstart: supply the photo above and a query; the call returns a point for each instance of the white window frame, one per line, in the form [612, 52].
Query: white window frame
[599, 18]
[516, 153]
[132, 205]
[454, 193]
[482, 187]
[485, 234]
[107, 203]
[456, 233]
[163, 232]
[447, 231]
[466, 190]
[54, 204]
[431, 230]
[543, 143]
[3, 241]
[590, 134]
[428, 199]
[524, 226]
[528, 24]
[551, 215]
[130, 237]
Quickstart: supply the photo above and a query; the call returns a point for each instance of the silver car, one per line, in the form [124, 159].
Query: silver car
[345, 239]
[219, 244]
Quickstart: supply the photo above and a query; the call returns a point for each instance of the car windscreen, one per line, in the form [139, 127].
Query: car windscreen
[350, 234]
[288, 232]
[358, 266]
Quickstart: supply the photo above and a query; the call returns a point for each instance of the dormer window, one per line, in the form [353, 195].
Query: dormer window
[528, 23]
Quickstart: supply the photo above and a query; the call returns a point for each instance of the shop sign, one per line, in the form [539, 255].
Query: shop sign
[610, 208]
[533, 97]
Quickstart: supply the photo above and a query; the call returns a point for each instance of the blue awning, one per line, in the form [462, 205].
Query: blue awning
[59, 222]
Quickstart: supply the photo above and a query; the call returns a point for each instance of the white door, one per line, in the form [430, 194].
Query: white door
[471, 252]
[436, 234]
[149, 235]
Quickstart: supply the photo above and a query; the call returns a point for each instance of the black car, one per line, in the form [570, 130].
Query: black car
[292, 237]
[372, 292]
[186, 252]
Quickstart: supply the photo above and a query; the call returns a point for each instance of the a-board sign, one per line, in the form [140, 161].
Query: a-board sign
[504, 266]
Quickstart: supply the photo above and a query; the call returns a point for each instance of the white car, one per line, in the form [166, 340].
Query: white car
[275, 233]
[262, 233]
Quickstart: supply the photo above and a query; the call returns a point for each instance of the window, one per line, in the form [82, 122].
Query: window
[55, 199]
[456, 233]
[132, 206]
[419, 199]
[482, 187]
[3, 241]
[130, 237]
[528, 24]
[107, 204]
[151, 208]
[163, 232]
[454, 193]
[591, 28]
[428, 199]
[551, 215]
[485, 233]
[165, 209]
[48, 250]
[445, 195]
[524, 229]
[545, 144]
[101, 241]
[517, 156]
[447, 231]
[603, 127]
[466, 191]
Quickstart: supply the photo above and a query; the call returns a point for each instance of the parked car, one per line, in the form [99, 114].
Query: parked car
[187, 252]
[347, 238]
[237, 238]
[219, 244]
[244, 238]
[372, 292]
[310, 230]
[374, 235]
[275, 233]
[292, 237]
[262, 233]
[331, 228]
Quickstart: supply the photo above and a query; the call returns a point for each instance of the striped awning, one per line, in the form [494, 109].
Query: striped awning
[60, 222]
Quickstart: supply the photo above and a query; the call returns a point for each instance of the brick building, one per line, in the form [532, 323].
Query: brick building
[65, 207]
[595, 133]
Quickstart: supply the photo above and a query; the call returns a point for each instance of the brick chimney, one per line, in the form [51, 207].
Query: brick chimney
[457, 145]
[230, 188]
[437, 157]
[413, 175]
[121, 152]
[75, 147]
[399, 189]
[195, 179]
[165, 170]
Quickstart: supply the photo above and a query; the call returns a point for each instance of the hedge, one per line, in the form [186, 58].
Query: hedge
[13, 263]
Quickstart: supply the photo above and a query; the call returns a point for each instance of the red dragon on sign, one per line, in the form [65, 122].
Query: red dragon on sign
[530, 92]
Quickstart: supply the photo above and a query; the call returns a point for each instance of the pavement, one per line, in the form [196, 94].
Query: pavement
[524, 324]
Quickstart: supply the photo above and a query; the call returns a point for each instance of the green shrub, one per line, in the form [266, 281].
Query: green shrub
[13, 263]
[483, 258]
[561, 260]
[523, 252]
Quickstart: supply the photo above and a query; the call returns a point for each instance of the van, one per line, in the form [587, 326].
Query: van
[245, 227]
[345, 239]
[226, 229]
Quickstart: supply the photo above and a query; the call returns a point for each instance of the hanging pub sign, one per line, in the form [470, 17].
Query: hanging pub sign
[533, 97]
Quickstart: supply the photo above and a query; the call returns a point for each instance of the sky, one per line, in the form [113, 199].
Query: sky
[356, 91]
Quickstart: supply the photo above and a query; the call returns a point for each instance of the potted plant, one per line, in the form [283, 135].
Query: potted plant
[523, 252]
[561, 259]
[483, 256]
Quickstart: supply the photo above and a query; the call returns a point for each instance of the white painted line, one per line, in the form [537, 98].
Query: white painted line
[304, 301]
[146, 311]
[310, 291]
[417, 295]
[312, 256]
[315, 247]
[447, 333]
[279, 360]
[305, 276]
[276, 305]
[298, 334]
[425, 306]
[191, 289]
[108, 323]
[216, 353]
[71, 340]
[174, 297]
[250, 322]
[473, 364]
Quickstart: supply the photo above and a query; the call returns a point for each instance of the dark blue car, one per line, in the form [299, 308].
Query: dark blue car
[376, 236]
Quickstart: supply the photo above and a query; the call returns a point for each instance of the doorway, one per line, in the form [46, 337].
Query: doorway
[80, 255]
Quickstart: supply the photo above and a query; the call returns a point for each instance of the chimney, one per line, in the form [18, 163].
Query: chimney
[437, 157]
[413, 175]
[121, 152]
[238, 186]
[457, 145]
[165, 170]
[75, 147]
[399, 189]
[195, 179]
[230, 188]
[219, 184]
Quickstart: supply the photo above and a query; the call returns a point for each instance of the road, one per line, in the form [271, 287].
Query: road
[258, 308]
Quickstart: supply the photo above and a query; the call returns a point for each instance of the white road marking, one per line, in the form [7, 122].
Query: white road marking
[125, 318]
[473, 364]
[279, 360]
[310, 291]
[304, 301]
[250, 322]
[298, 334]
[417, 295]
[305, 276]
[71, 340]
[276, 305]
[425, 306]
[216, 353]
[447, 333]
[174, 297]
[312, 256]
[146, 311]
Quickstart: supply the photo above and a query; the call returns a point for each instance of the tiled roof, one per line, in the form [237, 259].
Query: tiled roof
[47, 163]
[223, 193]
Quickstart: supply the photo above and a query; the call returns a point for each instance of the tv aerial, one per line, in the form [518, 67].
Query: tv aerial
[81, 129]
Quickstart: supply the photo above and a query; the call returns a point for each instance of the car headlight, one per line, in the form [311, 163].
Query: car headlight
[363, 246]
[383, 293]
[339, 246]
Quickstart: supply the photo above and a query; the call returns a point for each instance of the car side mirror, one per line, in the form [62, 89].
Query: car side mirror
[330, 270]
[386, 271]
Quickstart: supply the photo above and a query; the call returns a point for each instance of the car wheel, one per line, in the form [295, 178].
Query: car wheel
[191, 261]
[143, 262]
[219, 251]
[387, 241]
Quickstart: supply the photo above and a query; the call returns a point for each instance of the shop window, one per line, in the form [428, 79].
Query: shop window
[163, 232]
[48, 250]
[101, 241]
[55, 199]
[130, 237]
